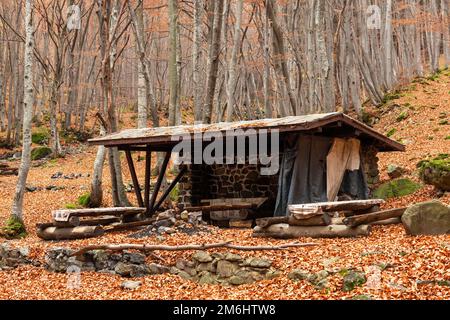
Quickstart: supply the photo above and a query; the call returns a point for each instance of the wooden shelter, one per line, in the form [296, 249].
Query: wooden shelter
[163, 139]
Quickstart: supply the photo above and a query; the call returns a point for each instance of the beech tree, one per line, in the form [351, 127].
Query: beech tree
[17, 207]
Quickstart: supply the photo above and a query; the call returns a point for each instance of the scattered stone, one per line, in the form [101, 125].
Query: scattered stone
[353, 279]
[57, 175]
[202, 256]
[31, 189]
[136, 258]
[429, 218]
[155, 268]
[54, 188]
[258, 263]
[396, 286]
[233, 257]
[184, 215]
[298, 274]
[394, 171]
[131, 285]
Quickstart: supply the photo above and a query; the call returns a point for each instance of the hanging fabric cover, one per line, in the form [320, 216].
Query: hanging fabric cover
[303, 172]
[343, 156]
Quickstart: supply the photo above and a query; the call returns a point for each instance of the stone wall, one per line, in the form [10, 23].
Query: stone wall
[11, 258]
[244, 181]
[370, 164]
[226, 181]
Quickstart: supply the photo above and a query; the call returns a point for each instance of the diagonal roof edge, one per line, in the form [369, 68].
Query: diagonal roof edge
[164, 135]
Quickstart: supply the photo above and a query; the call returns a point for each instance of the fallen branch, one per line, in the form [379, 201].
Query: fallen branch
[145, 247]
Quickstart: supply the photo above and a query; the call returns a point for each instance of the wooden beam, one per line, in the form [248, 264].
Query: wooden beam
[162, 172]
[137, 188]
[153, 148]
[169, 189]
[372, 217]
[95, 212]
[148, 160]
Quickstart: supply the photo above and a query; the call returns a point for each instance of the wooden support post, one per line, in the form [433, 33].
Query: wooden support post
[162, 172]
[137, 188]
[148, 173]
[169, 189]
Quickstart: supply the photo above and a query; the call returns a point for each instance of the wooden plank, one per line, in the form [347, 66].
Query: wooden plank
[162, 172]
[231, 201]
[372, 217]
[221, 207]
[322, 220]
[306, 212]
[137, 188]
[148, 162]
[285, 231]
[97, 212]
[241, 224]
[82, 232]
[170, 188]
[338, 206]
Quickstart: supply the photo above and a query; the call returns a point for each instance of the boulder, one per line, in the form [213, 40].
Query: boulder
[394, 171]
[429, 218]
[436, 172]
[131, 285]
[353, 279]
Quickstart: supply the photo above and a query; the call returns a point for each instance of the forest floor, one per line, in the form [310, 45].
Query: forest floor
[409, 260]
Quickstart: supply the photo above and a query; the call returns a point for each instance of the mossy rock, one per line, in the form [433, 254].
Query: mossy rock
[436, 172]
[40, 153]
[40, 136]
[396, 188]
[353, 279]
[14, 228]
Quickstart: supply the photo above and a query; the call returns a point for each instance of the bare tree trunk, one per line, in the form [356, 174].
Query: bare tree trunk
[446, 32]
[17, 208]
[213, 60]
[196, 57]
[233, 62]
[173, 66]
[142, 90]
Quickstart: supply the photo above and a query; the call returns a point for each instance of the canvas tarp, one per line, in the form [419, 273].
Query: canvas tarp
[303, 173]
[343, 156]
